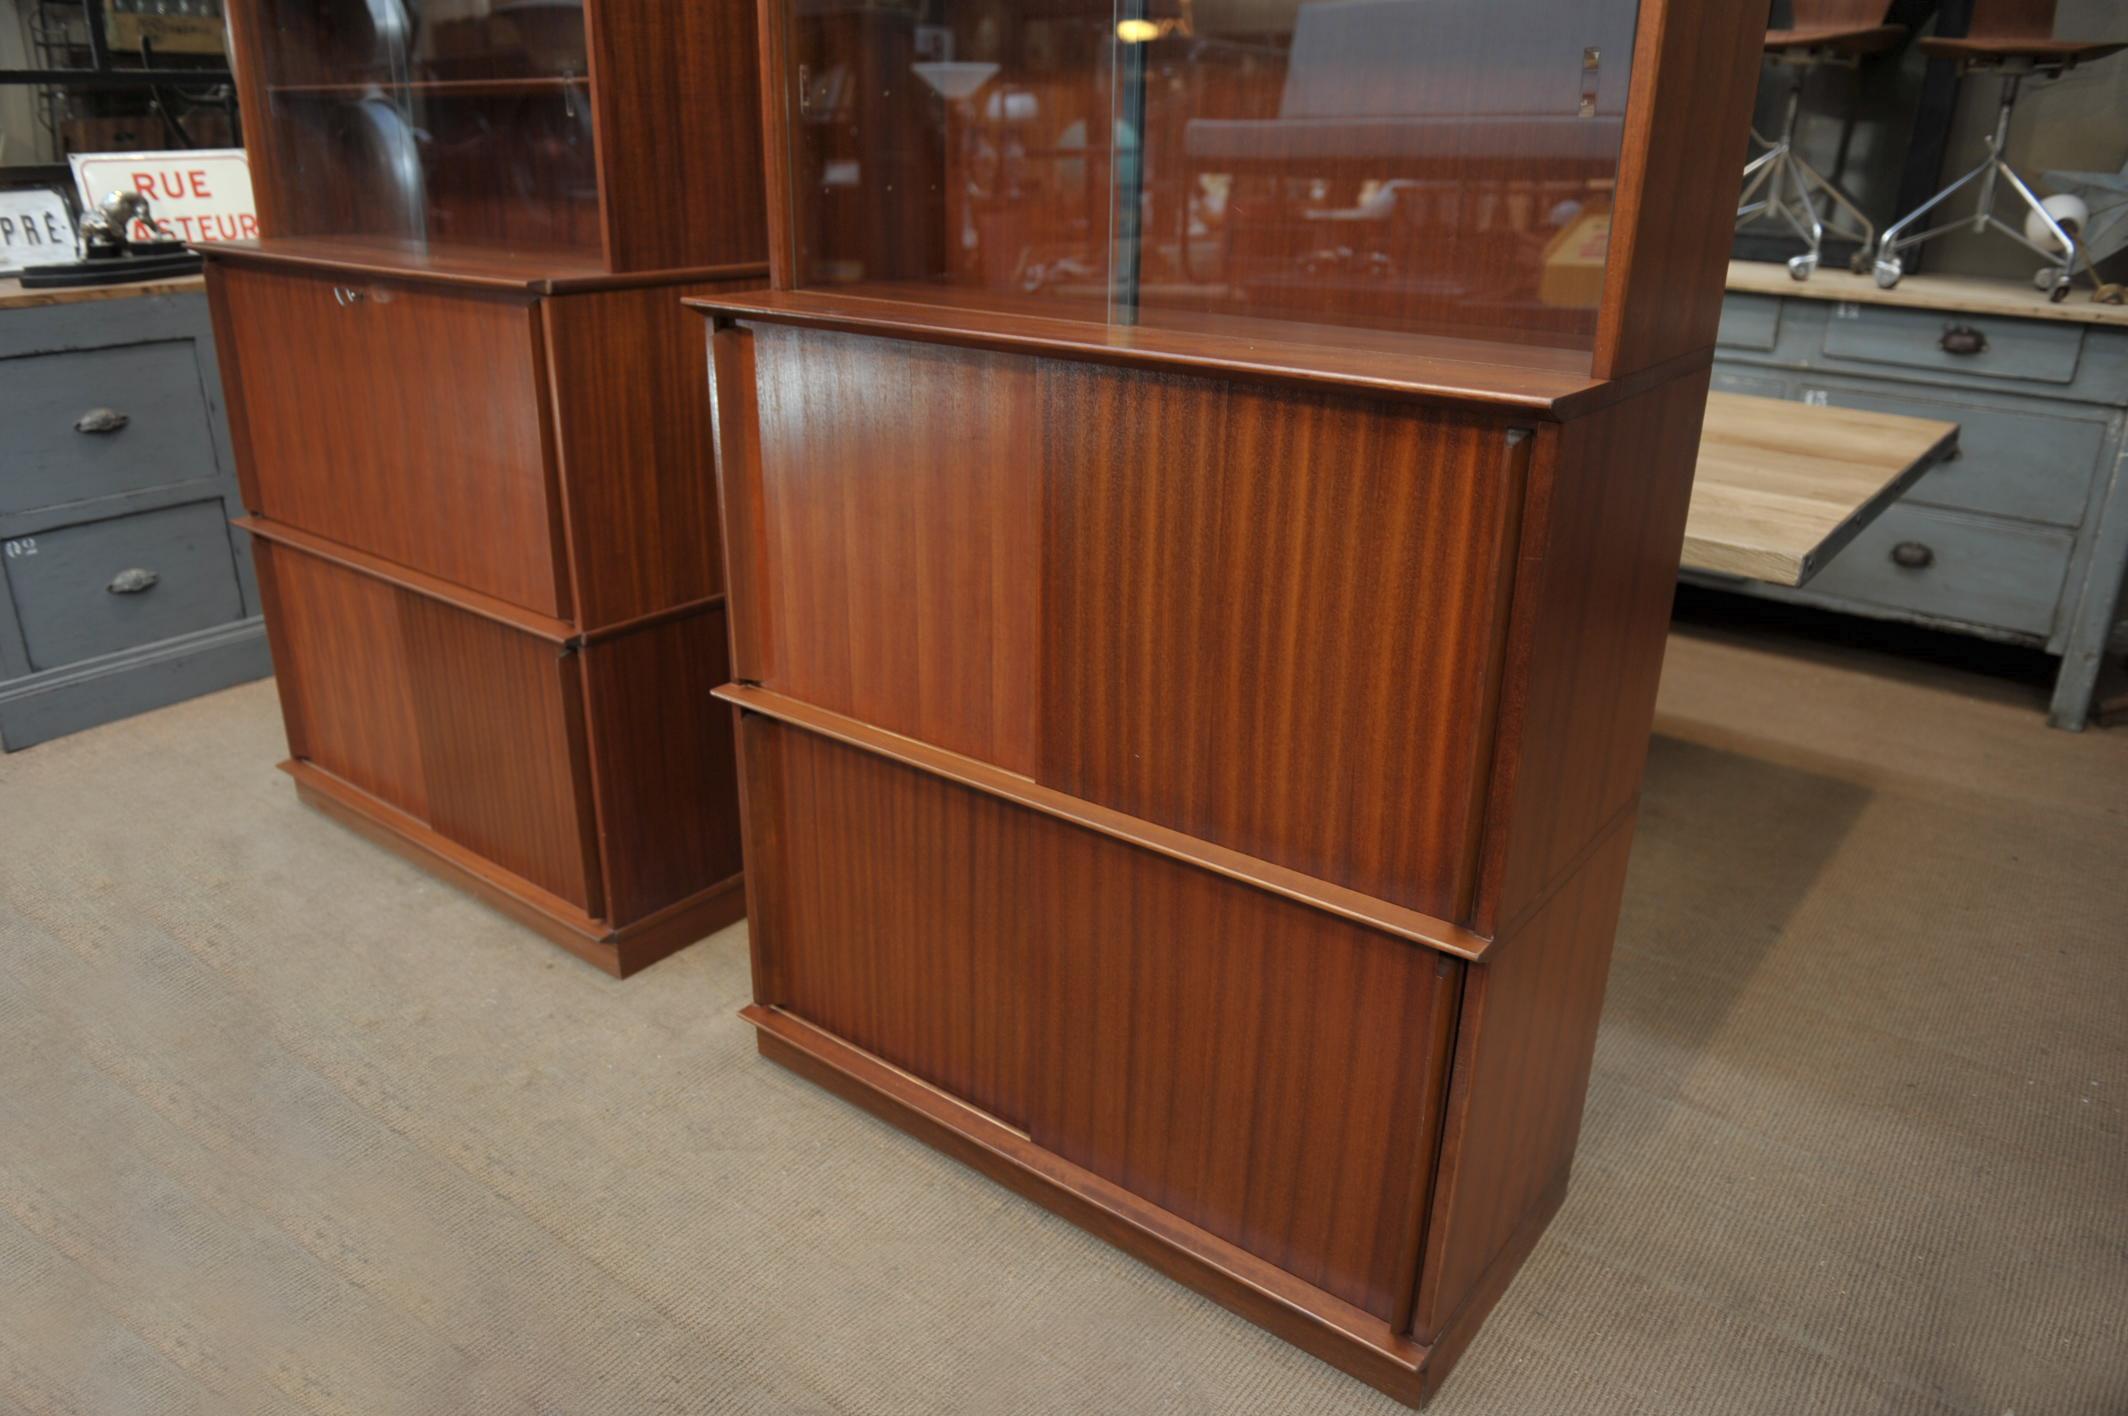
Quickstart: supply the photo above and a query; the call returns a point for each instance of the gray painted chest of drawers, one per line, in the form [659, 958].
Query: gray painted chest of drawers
[2023, 535]
[122, 585]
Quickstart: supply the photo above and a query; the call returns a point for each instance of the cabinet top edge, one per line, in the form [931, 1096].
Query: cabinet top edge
[484, 271]
[1549, 394]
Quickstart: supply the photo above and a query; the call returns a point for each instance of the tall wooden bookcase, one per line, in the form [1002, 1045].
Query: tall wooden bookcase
[1202, 502]
[467, 409]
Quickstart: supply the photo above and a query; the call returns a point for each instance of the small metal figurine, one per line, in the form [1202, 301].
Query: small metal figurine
[109, 253]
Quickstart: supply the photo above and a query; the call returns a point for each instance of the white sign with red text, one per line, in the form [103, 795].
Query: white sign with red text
[195, 194]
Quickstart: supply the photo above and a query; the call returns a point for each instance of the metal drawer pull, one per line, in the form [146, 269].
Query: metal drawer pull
[101, 420]
[1963, 339]
[132, 582]
[348, 295]
[1912, 555]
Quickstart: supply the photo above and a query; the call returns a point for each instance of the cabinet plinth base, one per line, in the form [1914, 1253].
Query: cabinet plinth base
[1347, 1338]
[620, 952]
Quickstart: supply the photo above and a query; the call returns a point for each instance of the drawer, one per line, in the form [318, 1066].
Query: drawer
[472, 727]
[102, 586]
[160, 433]
[402, 420]
[1749, 322]
[1759, 383]
[2030, 466]
[2033, 350]
[1996, 574]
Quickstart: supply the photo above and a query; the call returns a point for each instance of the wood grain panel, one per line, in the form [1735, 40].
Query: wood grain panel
[1524, 1045]
[1187, 1052]
[344, 675]
[900, 500]
[1248, 597]
[896, 925]
[661, 757]
[466, 725]
[678, 108]
[494, 710]
[742, 515]
[410, 424]
[1605, 524]
[1158, 1025]
[249, 34]
[635, 454]
[1695, 73]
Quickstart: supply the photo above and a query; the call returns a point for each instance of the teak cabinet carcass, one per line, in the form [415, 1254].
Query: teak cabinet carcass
[1202, 503]
[468, 416]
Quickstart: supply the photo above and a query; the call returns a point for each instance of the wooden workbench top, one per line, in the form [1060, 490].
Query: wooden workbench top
[1956, 294]
[14, 297]
[1781, 486]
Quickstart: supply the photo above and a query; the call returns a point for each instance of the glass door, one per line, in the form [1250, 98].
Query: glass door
[1344, 172]
[434, 125]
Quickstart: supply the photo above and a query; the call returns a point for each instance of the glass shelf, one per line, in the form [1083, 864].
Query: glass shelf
[1425, 167]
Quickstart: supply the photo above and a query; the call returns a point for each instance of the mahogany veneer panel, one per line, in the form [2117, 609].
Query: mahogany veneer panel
[1593, 595]
[1527, 1032]
[677, 99]
[1245, 589]
[1217, 591]
[1148, 1021]
[661, 758]
[458, 721]
[632, 434]
[1694, 76]
[499, 718]
[899, 502]
[347, 698]
[412, 424]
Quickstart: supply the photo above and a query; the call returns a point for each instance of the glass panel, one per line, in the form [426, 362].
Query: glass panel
[434, 123]
[1344, 171]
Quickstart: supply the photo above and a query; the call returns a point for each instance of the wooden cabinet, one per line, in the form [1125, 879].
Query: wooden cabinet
[471, 436]
[562, 780]
[1200, 570]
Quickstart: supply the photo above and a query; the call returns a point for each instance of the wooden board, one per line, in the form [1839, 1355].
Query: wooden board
[14, 297]
[1782, 486]
[1949, 293]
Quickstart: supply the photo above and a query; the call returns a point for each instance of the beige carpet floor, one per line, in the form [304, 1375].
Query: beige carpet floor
[286, 1127]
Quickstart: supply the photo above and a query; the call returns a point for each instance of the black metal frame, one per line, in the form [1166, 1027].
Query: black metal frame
[104, 76]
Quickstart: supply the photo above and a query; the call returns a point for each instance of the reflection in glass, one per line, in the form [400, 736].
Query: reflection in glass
[1414, 167]
[435, 123]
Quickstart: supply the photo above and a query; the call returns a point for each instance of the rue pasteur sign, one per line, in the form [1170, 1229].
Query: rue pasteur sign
[194, 195]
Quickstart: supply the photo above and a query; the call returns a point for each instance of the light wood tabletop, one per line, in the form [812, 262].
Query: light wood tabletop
[1953, 294]
[14, 297]
[1782, 486]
